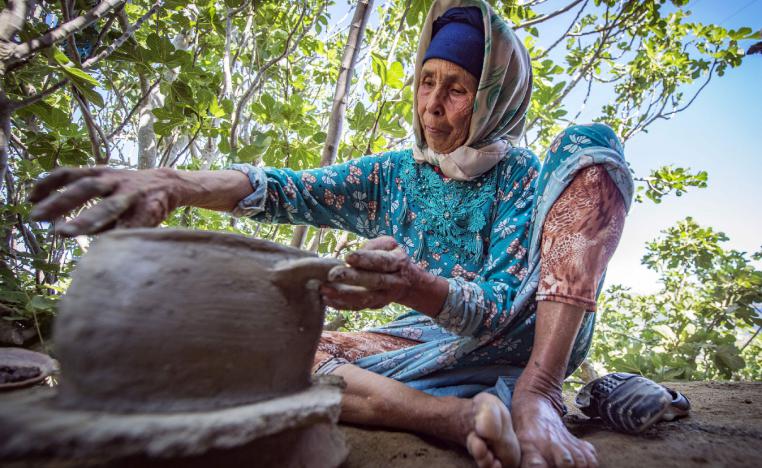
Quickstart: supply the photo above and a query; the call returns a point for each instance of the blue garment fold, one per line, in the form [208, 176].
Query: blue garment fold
[574, 149]
[483, 336]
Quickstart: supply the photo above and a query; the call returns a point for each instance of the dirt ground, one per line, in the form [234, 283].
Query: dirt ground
[724, 430]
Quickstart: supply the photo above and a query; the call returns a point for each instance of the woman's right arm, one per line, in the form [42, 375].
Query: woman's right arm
[346, 196]
[131, 198]
[349, 196]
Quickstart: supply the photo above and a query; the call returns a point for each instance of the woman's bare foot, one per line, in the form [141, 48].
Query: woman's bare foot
[544, 439]
[491, 440]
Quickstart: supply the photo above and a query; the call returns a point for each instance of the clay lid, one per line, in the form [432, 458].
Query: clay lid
[167, 320]
[21, 367]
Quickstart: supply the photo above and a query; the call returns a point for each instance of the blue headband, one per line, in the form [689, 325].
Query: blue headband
[458, 37]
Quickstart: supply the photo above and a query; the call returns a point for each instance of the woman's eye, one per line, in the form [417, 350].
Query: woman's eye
[457, 91]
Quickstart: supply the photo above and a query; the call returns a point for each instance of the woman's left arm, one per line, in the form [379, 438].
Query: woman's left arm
[468, 308]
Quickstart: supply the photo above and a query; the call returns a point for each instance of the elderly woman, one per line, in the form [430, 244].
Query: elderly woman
[498, 258]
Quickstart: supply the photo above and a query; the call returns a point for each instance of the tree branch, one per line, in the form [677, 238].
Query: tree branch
[12, 19]
[343, 83]
[105, 29]
[124, 37]
[666, 116]
[580, 75]
[566, 33]
[287, 49]
[16, 105]
[750, 340]
[356, 32]
[134, 109]
[5, 132]
[190, 142]
[97, 137]
[543, 18]
[21, 51]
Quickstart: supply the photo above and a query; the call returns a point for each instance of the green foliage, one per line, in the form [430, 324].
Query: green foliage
[152, 85]
[668, 179]
[702, 324]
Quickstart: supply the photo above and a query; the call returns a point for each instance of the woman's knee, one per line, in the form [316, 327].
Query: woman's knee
[579, 137]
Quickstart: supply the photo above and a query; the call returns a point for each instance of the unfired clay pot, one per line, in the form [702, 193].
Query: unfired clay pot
[160, 320]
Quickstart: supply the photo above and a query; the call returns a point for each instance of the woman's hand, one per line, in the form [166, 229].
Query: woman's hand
[381, 273]
[130, 198]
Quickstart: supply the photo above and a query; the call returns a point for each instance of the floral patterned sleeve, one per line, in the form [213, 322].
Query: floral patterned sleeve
[345, 196]
[482, 306]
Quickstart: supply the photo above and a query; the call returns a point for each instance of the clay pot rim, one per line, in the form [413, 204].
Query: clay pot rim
[228, 239]
[14, 356]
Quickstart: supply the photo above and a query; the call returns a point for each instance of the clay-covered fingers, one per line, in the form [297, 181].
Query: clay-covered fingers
[76, 194]
[381, 243]
[150, 212]
[59, 178]
[387, 261]
[99, 217]
[370, 280]
[347, 297]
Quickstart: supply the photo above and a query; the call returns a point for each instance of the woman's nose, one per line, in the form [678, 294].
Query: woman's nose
[435, 104]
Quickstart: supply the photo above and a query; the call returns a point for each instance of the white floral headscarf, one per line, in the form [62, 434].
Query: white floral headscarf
[502, 97]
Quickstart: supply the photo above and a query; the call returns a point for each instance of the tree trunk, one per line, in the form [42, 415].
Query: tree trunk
[146, 136]
[5, 135]
[351, 50]
[12, 20]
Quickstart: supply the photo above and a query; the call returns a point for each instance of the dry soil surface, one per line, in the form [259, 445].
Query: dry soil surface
[724, 430]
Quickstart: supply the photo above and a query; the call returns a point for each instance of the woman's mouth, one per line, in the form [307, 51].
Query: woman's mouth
[434, 131]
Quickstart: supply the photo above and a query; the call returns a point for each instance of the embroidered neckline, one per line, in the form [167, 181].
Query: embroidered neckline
[449, 214]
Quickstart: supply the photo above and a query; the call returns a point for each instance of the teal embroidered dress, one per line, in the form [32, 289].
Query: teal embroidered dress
[483, 235]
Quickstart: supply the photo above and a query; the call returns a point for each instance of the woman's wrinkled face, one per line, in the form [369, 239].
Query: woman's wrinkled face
[446, 96]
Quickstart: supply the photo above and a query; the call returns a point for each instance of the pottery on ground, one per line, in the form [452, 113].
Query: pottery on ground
[160, 320]
[21, 367]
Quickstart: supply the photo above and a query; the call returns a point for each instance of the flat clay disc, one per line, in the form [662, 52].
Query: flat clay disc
[21, 367]
[32, 426]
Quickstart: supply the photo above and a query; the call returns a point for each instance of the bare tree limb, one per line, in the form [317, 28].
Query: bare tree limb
[226, 62]
[662, 115]
[565, 34]
[543, 18]
[750, 339]
[97, 137]
[288, 48]
[16, 52]
[16, 105]
[12, 19]
[134, 109]
[90, 62]
[125, 35]
[584, 101]
[584, 71]
[336, 122]
[356, 32]
[5, 132]
[105, 29]
[187, 146]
